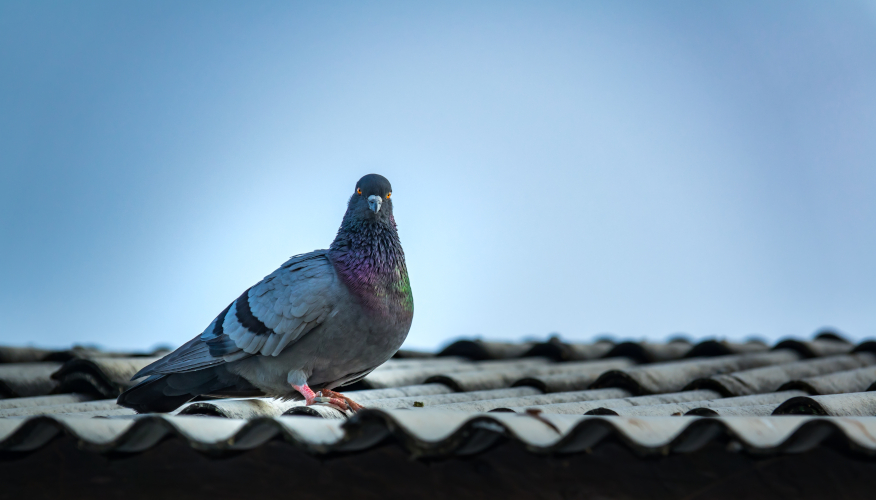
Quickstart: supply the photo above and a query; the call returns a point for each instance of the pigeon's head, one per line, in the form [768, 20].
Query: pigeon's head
[371, 199]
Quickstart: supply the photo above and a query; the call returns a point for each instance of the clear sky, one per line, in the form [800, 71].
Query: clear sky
[633, 168]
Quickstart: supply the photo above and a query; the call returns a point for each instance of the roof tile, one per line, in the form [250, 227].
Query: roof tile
[673, 376]
[770, 378]
[27, 379]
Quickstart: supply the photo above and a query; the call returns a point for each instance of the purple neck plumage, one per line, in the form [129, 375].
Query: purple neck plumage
[369, 259]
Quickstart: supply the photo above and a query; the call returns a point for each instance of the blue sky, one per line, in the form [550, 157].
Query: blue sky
[633, 168]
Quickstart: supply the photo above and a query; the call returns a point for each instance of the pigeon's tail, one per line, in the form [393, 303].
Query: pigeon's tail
[151, 395]
[167, 392]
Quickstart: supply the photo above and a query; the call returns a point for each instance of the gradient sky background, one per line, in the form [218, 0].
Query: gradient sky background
[634, 168]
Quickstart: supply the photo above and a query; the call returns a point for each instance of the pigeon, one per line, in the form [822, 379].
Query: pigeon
[323, 320]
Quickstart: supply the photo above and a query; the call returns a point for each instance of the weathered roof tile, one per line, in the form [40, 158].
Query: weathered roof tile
[673, 376]
[27, 379]
[106, 377]
[856, 380]
[856, 404]
[770, 378]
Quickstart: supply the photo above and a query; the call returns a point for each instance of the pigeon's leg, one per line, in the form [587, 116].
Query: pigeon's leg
[307, 392]
[350, 403]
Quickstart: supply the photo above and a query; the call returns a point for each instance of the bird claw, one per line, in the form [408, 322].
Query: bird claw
[336, 403]
[338, 400]
[325, 396]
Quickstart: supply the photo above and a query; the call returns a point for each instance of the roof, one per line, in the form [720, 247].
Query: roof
[547, 401]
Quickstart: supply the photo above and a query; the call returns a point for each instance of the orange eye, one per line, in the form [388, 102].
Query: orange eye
[358, 191]
[388, 195]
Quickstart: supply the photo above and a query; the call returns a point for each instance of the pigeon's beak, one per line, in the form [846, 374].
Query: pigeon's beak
[374, 203]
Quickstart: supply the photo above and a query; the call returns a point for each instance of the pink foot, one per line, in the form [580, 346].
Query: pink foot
[352, 405]
[339, 401]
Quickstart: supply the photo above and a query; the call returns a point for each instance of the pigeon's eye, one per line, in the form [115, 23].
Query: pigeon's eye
[388, 195]
[358, 190]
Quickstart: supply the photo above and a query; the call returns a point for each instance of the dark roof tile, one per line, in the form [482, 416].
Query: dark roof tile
[817, 347]
[27, 379]
[490, 377]
[523, 402]
[770, 378]
[670, 409]
[582, 407]
[710, 348]
[856, 380]
[102, 377]
[856, 404]
[33, 354]
[828, 334]
[57, 399]
[673, 376]
[734, 411]
[65, 408]
[649, 352]
[480, 350]
[23, 354]
[561, 382]
[438, 400]
[412, 374]
[558, 350]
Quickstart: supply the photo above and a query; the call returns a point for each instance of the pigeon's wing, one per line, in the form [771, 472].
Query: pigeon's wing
[281, 308]
[264, 320]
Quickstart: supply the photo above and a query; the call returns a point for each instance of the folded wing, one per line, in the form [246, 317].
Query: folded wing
[264, 320]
